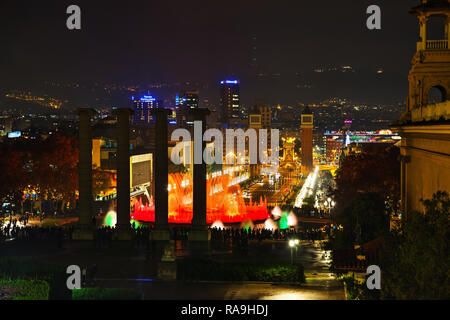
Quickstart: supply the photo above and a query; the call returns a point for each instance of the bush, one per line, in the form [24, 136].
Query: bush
[359, 291]
[416, 257]
[210, 270]
[54, 275]
[20, 289]
[105, 294]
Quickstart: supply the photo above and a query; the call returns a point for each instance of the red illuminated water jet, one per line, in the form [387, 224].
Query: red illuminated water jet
[224, 202]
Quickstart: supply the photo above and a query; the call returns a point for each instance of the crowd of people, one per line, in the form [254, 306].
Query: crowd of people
[266, 234]
[104, 236]
[34, 233]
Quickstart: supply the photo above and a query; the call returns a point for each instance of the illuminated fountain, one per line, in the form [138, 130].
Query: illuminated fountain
[225, 202]
[218, 225]
[110, 219]
[292, 220]
[270, 225]
[247, 224]
[276, 212]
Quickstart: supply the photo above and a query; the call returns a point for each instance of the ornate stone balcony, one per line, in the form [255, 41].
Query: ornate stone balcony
[436, 45]
[430, 45]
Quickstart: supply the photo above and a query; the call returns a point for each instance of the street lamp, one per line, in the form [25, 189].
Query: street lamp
[292, 245]
[329, 204]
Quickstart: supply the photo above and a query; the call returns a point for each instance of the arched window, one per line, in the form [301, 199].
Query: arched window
[437, 94]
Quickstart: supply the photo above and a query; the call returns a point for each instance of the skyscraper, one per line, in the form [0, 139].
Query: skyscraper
[142, 108]
[307, 140]
[189, 100]
[230, 102]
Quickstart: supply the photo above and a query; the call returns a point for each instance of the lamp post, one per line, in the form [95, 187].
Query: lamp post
[329, 204]
[292, 245]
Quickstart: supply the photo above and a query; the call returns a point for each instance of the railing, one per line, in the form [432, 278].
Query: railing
[437, 45]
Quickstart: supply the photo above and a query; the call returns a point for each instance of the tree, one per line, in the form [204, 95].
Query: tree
[13, 174]
[54, 168]
[368, 213]
[373, 171]
[416, 257]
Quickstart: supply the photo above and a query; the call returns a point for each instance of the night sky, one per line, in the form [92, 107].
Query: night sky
[206, 41]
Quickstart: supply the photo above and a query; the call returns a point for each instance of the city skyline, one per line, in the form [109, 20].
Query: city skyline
[229, 150]
[275, 53]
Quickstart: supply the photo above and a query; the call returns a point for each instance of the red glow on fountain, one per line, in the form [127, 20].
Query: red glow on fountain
[224, 202]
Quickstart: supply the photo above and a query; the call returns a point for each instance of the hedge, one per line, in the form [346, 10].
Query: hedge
[105, 294]
[54, 275]
[25, 289]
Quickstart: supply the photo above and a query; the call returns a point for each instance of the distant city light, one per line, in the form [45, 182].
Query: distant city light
[16, 134]
[230, 82]
[147, 99]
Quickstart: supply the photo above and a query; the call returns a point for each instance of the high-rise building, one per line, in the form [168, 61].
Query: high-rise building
[189, 100]
[306, 138]
[230, 102]
[424, 127]
[142, 109]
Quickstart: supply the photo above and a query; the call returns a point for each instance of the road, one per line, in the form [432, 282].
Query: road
[268, 191]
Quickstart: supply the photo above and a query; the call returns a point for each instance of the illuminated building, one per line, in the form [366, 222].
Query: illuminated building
[230, 102]
[307, 140]
[266, 116]
[425, 126]
[338, 140]
[334, 145]
[189, 100]
[142, 108]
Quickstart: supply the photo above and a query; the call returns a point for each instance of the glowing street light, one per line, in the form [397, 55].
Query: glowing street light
[292, 244]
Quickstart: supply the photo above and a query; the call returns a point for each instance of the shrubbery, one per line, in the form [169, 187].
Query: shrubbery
[54, 275]
[105, 294]
[20, 289]
[416, 257]
[359, 291]
[210, 270]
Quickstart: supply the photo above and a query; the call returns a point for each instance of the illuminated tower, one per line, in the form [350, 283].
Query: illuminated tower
[307, 140]
[230, 102]
[429, 78]
[425, 125]
[255, 122]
